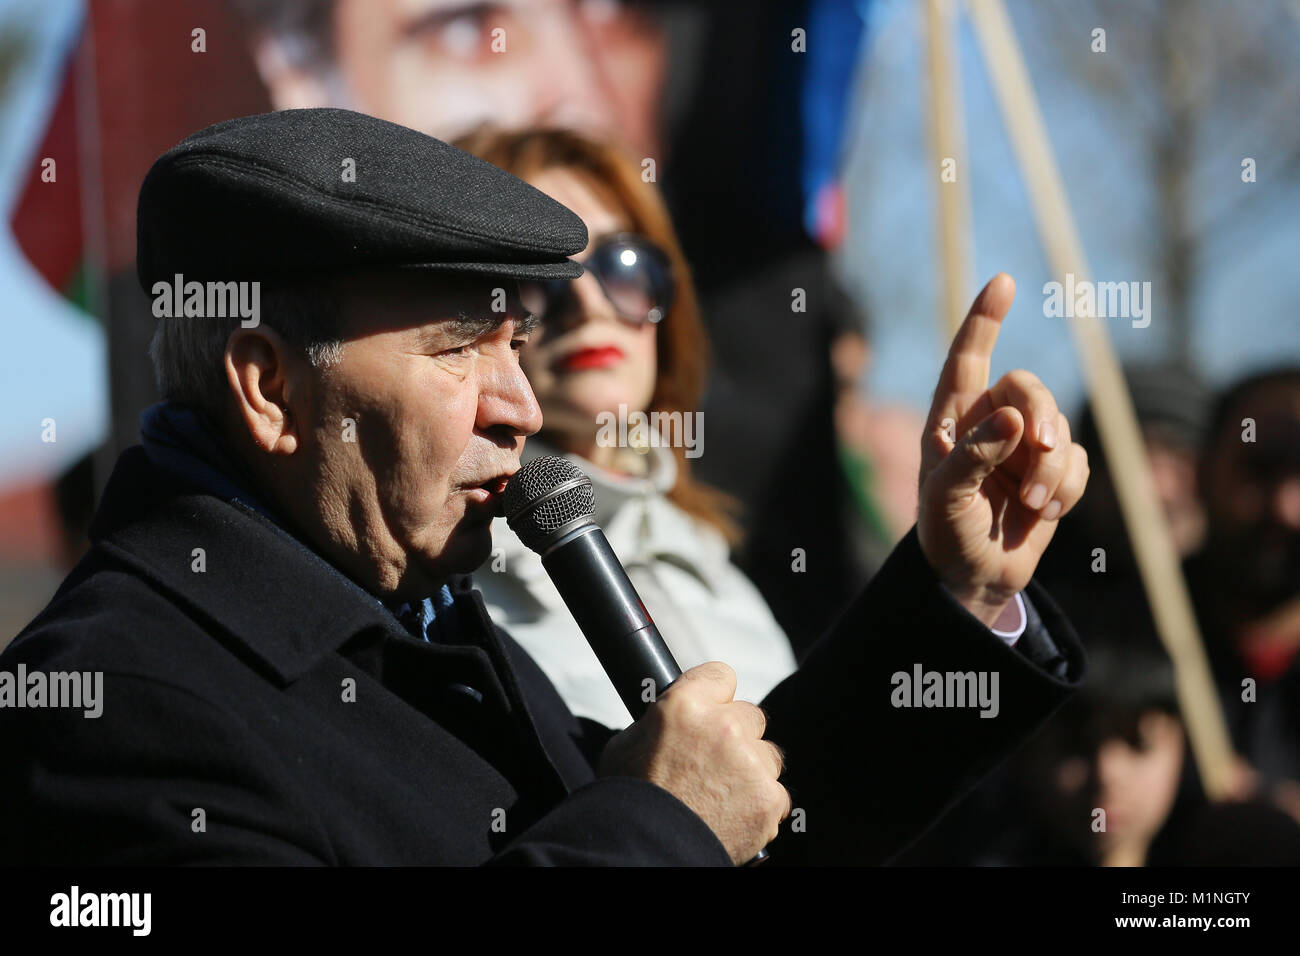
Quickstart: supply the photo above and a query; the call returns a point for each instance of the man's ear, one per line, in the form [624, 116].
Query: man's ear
[265, 375]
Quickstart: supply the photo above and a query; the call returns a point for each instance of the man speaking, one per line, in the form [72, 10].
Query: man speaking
[295, 668]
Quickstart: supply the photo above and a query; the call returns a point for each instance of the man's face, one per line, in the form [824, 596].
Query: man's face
[415, 430]
[444, 66]
[1252, 497]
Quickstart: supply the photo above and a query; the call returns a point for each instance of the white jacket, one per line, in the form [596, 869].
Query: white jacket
[704, 607]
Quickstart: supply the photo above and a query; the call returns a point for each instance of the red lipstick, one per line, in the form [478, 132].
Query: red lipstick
[602, 357]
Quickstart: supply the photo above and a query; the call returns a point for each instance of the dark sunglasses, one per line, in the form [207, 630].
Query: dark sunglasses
[633, 272]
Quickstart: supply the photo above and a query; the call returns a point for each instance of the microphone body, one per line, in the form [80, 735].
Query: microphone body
[611, 616]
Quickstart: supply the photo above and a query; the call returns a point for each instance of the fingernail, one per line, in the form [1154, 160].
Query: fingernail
[1047, 434]
[1051, 511]
[1037, 495]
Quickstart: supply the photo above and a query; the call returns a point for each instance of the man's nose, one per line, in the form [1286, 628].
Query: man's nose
[506, 400]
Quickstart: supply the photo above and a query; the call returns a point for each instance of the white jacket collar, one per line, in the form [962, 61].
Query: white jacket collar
[641, 524]
[613, 489]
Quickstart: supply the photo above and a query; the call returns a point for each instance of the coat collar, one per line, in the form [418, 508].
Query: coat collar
[288, 607]
[263, 587]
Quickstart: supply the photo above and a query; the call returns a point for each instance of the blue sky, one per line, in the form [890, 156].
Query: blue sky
[1243, 309]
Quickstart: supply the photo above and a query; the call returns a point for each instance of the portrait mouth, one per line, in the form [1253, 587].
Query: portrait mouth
[489, 496]
[589, 358]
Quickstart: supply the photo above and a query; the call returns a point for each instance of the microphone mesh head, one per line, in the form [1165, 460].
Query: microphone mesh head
[536, 520]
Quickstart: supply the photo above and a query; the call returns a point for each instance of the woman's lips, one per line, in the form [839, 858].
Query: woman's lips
[602, 357]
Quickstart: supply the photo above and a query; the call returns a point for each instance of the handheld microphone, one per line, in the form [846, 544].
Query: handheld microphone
[549, 504]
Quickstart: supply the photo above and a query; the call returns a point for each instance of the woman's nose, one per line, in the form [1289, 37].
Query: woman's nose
[586, 302]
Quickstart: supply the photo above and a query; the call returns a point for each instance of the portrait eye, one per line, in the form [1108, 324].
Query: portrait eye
[462, 36]
[462, 32]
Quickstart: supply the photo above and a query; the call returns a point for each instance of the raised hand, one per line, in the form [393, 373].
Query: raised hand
[998, 468]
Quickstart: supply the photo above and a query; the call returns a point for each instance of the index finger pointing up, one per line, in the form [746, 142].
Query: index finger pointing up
[965, 374]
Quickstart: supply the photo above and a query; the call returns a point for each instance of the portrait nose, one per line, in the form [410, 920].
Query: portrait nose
[573, 90]
[585, 302]
[595, 303]
[1113, 764]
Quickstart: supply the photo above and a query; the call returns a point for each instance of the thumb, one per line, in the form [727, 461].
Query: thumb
[714, 679]
[979, 452]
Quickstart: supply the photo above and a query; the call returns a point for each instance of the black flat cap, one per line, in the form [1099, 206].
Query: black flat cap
[272, 195]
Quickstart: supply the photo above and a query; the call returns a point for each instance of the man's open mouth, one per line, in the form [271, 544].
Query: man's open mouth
[490, 494]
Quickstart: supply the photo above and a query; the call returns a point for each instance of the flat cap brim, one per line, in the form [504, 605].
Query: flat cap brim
[566, 269]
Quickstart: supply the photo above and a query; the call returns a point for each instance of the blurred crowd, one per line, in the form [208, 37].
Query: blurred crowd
[1227, 470]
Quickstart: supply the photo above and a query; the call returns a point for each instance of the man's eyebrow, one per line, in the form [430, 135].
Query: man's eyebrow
[527, 323]
[466, 326]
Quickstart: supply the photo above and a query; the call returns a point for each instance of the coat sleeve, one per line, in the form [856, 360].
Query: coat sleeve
[607, 821]
[868, 775]
[191, 785]
[617, 821]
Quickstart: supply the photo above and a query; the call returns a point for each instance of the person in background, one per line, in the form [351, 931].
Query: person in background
[879, 460]
[1245, 580]
[1172, 407]
[1093, 567]
[623, 341]
[1112, 766]
[1111, 782]
[1227, 469]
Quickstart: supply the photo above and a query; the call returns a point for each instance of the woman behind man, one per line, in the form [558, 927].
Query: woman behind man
[623, 339]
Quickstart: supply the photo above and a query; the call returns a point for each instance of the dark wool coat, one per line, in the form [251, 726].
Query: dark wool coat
[287, 705]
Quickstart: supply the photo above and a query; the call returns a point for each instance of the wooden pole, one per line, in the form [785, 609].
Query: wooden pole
[948, 152]
[1111, 404]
